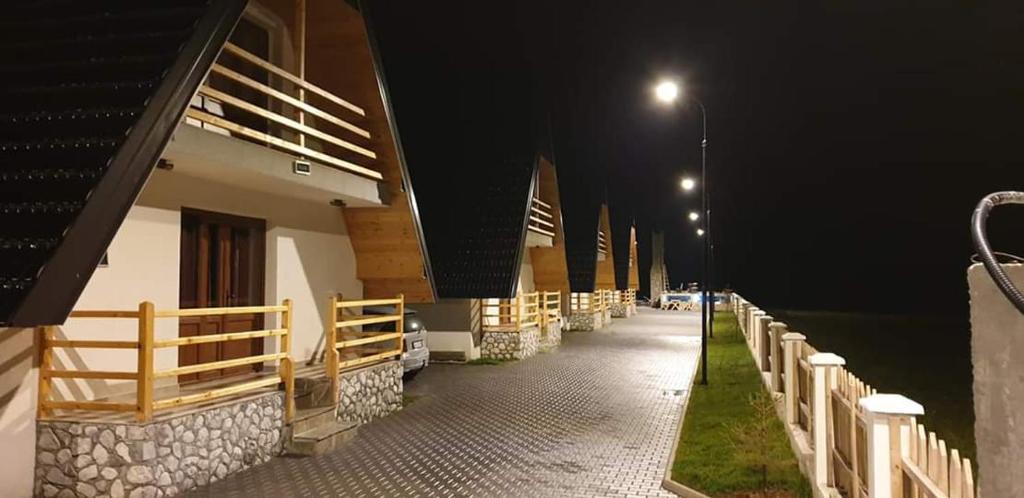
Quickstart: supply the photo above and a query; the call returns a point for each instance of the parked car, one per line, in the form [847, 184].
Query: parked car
[416, 356]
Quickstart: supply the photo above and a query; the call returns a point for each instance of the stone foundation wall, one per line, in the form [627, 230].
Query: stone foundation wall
[510, 345]
[584, 322]
[553, 337]
[619, 310]
[371, 392]
[160, 458]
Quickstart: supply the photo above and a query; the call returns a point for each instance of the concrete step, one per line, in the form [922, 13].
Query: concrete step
[311, 418]
[321, 439]
[313, 392]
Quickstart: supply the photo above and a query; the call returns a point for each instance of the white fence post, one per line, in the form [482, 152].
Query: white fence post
[776, 331]
[882, 413]
[824, 377]
[755, 334]
[792, 341]
[764, 321]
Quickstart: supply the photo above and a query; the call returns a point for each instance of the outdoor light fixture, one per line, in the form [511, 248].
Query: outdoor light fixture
[667, 91]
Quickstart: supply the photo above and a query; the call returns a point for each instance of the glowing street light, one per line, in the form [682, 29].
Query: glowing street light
[700, 232]
[667, 91]
[688, 184]
[694, 216]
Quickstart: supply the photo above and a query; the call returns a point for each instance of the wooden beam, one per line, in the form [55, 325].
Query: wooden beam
[217, 365]
[204, 339]
[189, 399]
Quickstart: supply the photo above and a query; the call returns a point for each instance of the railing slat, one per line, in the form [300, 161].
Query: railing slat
[94, 344]
[204, 339]
[104, 406]
[236, 310]
[89, 374]
[367, 340]
[217, 365]
[358, 320]
[189, 399]
[368, 359]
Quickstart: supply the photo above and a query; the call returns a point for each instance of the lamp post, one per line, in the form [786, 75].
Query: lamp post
[668, 92]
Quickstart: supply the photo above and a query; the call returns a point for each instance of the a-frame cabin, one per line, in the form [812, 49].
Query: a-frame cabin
[210, 189]
[501, 271]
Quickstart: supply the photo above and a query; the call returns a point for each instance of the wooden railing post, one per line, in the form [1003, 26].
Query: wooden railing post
[887, 415]
[144, 388]
[287, 366]
[331, 346]
[776, 331]
[793, 342]
[400, 325]
[824, 378]
[46, 334]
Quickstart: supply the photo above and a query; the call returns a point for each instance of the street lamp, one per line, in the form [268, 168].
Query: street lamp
[688, 184]
[668, 92]
[694, 216]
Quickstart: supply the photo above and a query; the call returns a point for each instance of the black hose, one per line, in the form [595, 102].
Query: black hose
[988, 258]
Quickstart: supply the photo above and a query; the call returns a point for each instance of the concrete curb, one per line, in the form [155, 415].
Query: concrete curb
[667, 483]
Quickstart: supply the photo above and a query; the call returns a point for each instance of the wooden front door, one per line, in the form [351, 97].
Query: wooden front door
[222, 264]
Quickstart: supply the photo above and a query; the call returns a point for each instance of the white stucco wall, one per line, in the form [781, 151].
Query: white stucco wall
[18, 387]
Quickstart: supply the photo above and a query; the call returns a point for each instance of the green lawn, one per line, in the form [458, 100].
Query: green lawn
[707, 459]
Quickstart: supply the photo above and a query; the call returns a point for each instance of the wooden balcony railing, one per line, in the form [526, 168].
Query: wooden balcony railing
[602, 242]
[510, 315]
[354, 347]
[145, 373]
[293, 124]
[542, 220]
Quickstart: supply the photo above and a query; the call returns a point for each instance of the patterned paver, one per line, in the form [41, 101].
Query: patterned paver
[596, 417]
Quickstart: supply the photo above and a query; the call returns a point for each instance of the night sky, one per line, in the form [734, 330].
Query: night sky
[849, 141]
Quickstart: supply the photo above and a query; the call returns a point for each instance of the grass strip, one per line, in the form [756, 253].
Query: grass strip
[709, 457]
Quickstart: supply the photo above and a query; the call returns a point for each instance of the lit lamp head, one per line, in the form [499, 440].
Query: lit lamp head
[694, 216]
[700, 232]
[688, 184]
[667, 91]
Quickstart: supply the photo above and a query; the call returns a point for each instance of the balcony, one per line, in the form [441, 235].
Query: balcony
[602, 245]
[541, 225]
[270, 130]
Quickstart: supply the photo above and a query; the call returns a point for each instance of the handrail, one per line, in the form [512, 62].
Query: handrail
[343, 338]
[146, 345]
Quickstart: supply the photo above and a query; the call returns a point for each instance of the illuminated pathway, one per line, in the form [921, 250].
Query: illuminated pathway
[594, 418]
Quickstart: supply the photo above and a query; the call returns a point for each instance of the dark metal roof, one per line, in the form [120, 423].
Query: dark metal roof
[93, 92]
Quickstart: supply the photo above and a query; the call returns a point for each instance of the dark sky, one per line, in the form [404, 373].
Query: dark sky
[849, 140]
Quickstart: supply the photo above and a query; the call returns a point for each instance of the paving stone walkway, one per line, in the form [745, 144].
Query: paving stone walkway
[596, 417]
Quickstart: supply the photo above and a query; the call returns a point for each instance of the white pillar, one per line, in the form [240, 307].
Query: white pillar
[824, 377]
[881, 412]
[777, 330]
[755, 333]
[792, 341]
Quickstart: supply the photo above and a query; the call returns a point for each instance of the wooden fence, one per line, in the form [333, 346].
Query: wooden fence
[510, 315]
[584, 302]
[146, 345]
[350, 346]
[860, 443]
